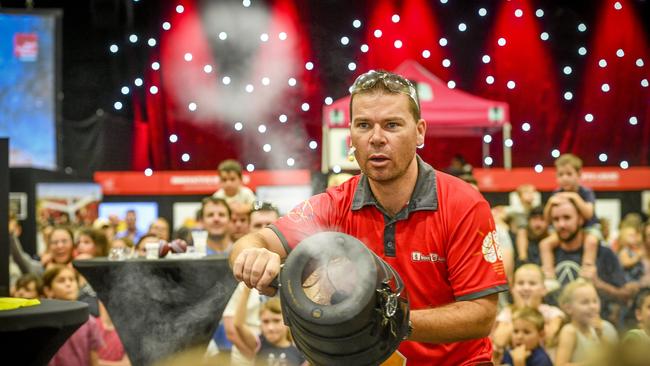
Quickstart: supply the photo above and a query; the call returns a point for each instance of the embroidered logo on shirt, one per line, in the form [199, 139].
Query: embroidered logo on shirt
[302, 212]
[491, 249]
[431, 257]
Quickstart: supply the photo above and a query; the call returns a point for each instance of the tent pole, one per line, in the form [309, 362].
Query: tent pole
[507, 151]
[324, 147]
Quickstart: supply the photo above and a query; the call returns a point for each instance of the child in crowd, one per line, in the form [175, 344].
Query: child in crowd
[28, 286]
[569, 168]
[60, 283]
[124, 243]
[274, 344]
[527, 291]
[631, 252]
[91, 243]
[527, 338]
[587, 332]
[642, 312]
[232, 187]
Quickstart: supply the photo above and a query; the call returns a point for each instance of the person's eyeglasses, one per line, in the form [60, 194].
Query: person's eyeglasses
[392, 82]
[264, 206]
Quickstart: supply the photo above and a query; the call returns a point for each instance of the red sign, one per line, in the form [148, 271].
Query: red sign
[26, 46]
[598, 179]
[196, 182]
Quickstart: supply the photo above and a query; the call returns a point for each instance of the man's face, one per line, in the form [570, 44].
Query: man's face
[130, 220]
[230, 182]
[537, 225]
[566, 221]
[261, 219]
[385, 134]
[215, 219]
[568, 178]
[239, 222]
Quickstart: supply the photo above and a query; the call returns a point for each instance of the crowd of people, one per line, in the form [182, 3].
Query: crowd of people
[226, 216]
[575, 292]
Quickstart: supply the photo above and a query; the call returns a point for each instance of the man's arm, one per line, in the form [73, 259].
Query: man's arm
[255, 259]
[455, 322]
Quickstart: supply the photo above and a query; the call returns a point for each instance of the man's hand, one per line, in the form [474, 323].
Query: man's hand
[257, 267]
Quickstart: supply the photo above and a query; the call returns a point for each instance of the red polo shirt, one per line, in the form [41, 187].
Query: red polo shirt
[443, 245]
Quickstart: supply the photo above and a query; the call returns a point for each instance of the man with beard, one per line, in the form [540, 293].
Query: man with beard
[608, 278]
[536, 230]
[215, 219]
[436, 231]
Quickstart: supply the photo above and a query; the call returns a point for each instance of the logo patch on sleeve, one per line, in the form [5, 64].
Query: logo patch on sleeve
[491, 249]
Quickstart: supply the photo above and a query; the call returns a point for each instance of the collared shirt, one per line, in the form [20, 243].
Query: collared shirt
[442, 243]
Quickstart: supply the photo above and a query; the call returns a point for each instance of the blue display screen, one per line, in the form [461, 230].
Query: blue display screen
[27, 88]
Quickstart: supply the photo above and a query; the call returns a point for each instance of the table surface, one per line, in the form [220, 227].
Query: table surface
[161, 306]
[50, 313]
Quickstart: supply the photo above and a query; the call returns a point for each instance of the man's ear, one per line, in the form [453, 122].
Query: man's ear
[421, 128]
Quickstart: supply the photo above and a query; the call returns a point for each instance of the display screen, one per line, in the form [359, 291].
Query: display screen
[28, 88]
[145, 213]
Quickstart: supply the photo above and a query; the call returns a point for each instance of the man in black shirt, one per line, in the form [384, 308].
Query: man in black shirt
[608, 276]
[536, 230]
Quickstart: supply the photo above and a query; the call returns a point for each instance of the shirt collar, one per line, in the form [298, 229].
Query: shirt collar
[424, 196]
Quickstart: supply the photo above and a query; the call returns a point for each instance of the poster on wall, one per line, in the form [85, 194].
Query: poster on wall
[145, 214]
[185, 214]
[74, 204]
[18, 204]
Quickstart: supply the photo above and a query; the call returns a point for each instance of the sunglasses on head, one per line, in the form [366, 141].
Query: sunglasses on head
[392, 82]
[264, 206]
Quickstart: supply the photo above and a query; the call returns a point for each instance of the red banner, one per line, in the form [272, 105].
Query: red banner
[195, 182]
[198, 182]
[598, 179]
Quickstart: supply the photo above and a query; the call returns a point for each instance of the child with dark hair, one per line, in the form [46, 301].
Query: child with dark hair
[61, 283]
[232, 185]
[28, 286]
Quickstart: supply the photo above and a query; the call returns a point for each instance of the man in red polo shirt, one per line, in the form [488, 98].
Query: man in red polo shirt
[436, 231]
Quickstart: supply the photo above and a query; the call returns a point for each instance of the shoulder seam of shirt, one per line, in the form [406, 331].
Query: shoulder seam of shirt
[483, 293]
[282, 238]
